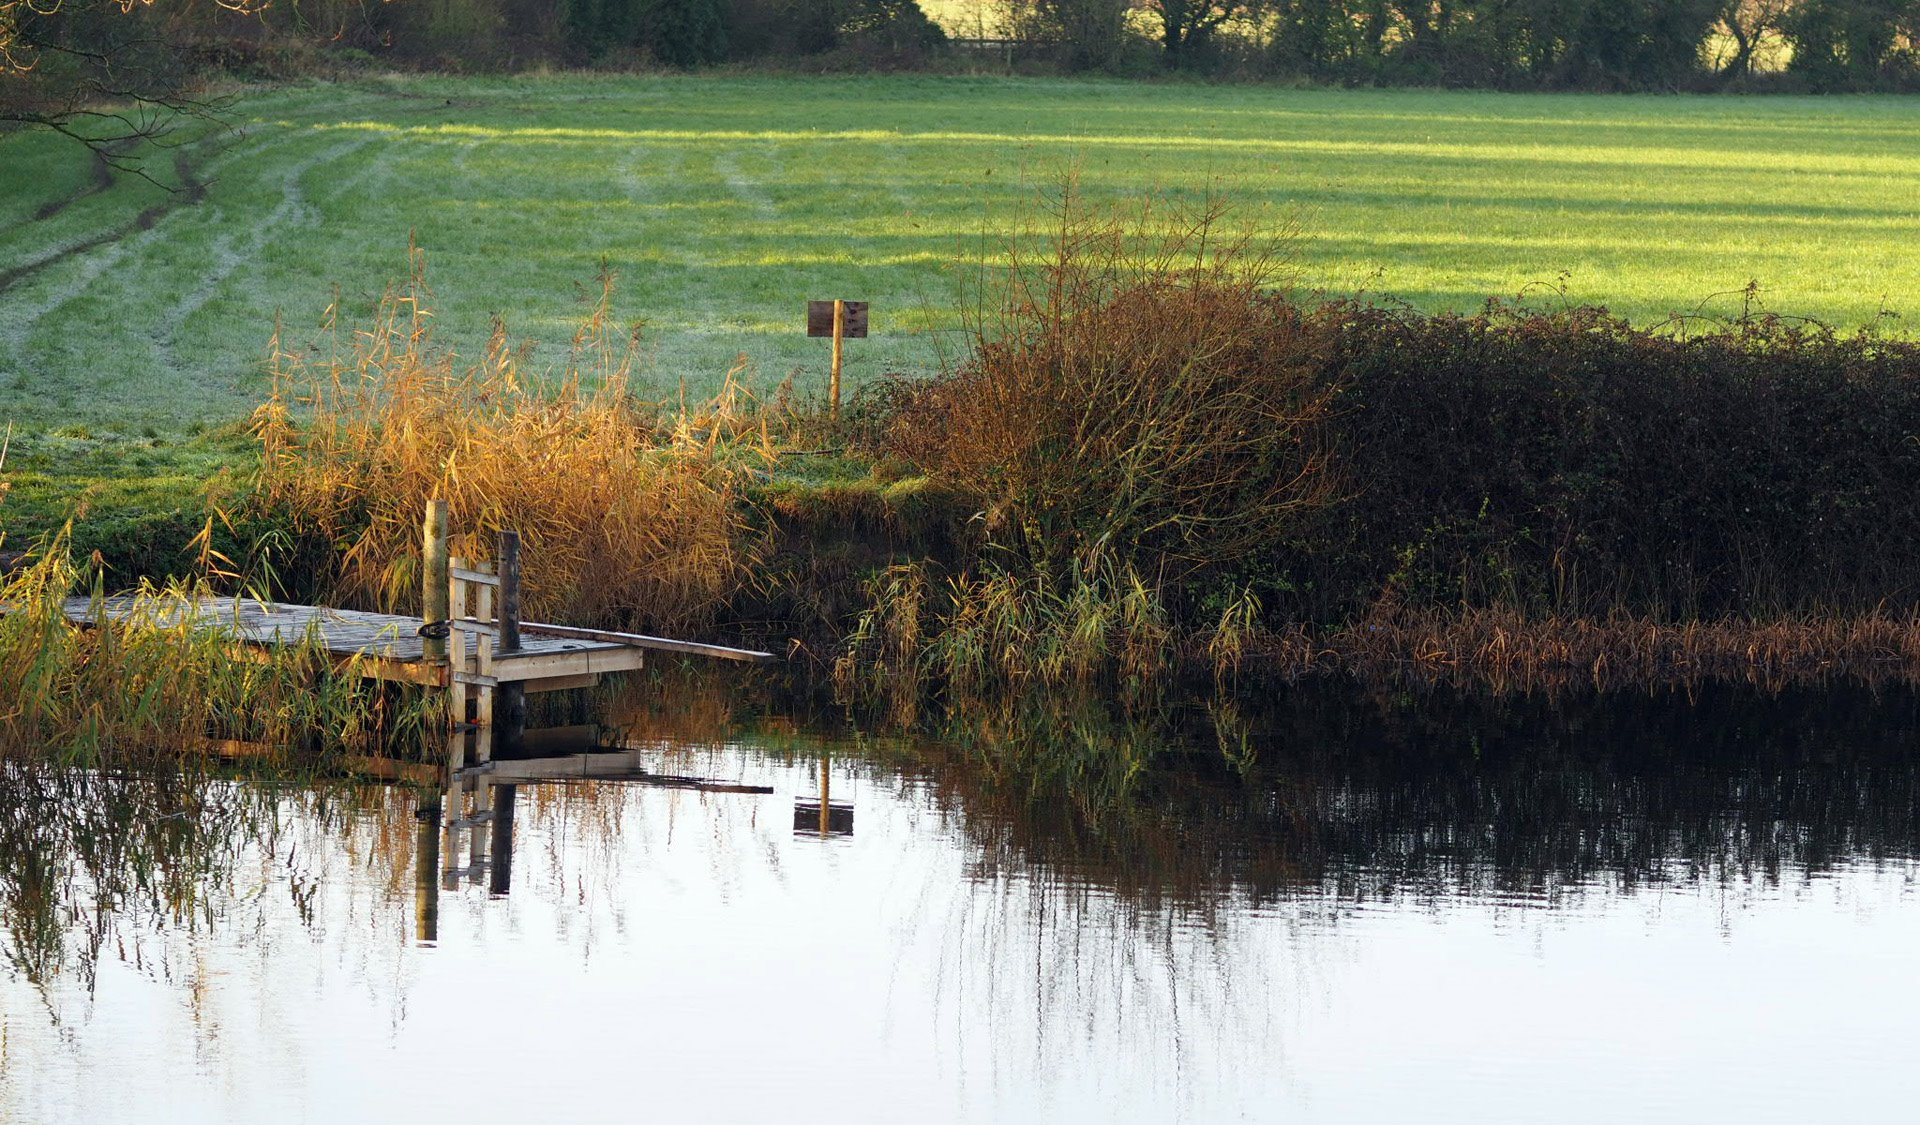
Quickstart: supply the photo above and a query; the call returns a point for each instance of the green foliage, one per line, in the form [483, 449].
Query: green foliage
[149, 677]
[684, 32]
[1565, 462]
[1855, 44]
[724, 200]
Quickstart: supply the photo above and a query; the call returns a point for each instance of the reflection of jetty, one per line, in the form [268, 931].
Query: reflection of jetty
[490, 658]
[480, 800]
[471, 642]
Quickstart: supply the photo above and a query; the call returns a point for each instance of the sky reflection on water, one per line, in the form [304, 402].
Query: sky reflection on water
[1388, 939]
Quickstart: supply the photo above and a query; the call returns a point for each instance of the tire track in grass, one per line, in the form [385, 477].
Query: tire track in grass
[196, 177]
[113, 246]
[231, 251]
[99, 179]
[727, 164]
[191, 192]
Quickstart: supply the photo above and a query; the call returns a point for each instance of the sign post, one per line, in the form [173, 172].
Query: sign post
[841, 320]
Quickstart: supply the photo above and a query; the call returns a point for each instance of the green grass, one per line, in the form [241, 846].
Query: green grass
[726, 202]
[136, 499]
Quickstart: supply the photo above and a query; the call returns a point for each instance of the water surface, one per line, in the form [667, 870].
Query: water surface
[1348, 909]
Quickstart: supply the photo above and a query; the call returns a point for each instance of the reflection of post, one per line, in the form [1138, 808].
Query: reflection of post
[450, 841]
[825, 821]
[500, 875]
[426, 871]
[460, 720]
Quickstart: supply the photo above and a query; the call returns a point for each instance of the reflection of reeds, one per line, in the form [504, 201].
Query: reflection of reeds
[627, 515]
[1334, 792]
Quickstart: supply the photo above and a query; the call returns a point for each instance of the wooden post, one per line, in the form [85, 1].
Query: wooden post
[510, 707]
[839, 331]
[434, 590]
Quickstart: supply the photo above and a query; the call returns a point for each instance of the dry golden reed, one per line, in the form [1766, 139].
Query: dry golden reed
[1139, 395]
[626, 515]
[152, 676]
[1506, 650]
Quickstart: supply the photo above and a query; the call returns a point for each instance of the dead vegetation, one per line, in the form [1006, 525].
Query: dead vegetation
[629, 513]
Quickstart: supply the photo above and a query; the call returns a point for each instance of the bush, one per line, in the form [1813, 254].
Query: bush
[1567, 462]
[1136, 397]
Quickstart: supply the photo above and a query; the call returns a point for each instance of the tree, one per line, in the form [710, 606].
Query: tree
[1187, 25]
[1853, 44]
[1090, 34]
[109, 74]
[685, 32]
[1749, 23]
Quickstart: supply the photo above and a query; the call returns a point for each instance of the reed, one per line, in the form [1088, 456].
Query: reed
[150, 678]
[977, 635]
[629, 513]
[1506, 650]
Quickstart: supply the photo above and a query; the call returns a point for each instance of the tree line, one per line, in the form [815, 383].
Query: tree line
[1800, 45]
[1814, 45]
[62, 59]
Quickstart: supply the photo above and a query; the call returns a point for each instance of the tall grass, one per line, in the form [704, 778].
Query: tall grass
[979, 635]
[1140, 412]
[149, 675]
[627, 513]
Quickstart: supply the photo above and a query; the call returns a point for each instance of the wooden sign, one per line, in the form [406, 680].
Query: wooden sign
[820, 319]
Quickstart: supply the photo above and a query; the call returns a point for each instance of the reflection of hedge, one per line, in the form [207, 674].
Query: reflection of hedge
[1569, 462]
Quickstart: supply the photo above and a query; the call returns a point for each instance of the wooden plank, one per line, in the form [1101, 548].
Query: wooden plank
[476, 577]
[538, 666]
[388, 647]
[561, 683]
[854, 316]
[391, 671]
[640, 640]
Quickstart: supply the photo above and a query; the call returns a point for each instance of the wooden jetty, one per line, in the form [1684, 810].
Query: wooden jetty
[470, 639]
[384, 646]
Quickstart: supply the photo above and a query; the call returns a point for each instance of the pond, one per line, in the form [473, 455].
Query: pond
[1345, 907]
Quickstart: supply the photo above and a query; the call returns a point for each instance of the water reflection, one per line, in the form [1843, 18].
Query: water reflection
[1042, 915]
[1361, 798]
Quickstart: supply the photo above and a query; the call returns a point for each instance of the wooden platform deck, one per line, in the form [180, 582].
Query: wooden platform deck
[385, 646]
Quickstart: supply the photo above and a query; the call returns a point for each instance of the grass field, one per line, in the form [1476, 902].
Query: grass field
[724, 203]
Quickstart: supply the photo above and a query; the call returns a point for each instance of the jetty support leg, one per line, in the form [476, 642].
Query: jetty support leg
[435, 589]
[510, 704]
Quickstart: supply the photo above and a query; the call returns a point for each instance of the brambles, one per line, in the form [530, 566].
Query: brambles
[1567, 464]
